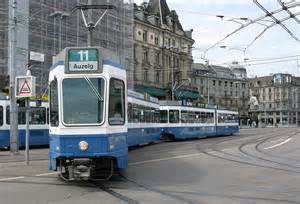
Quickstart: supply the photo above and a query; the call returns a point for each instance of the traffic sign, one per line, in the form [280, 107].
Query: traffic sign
[25, 86]
[83, 60]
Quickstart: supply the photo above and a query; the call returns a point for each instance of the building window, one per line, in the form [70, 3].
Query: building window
[220, 83]
[145, 55]
[157, 78]
[173, 43]
[225, 93]
[236, 93]
[157, 58]
[145, 36]
[270, 105]
[231, 84]
[243, 85]
[225, 84]
[214, 82]
[156, 39]
[231, 93]
[146, 76]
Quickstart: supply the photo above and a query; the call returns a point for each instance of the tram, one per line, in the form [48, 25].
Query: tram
[143, 119]
[187, 122]
[39, 133]
[88, 121]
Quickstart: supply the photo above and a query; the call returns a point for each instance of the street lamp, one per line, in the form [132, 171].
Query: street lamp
[236, 48]
[61, 16]
[175, 86]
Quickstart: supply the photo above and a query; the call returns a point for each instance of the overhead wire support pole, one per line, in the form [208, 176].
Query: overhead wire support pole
[14, 146]
[279, 22]
[88, 21]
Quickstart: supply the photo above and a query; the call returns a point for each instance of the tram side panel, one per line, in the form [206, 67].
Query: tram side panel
[227, 123]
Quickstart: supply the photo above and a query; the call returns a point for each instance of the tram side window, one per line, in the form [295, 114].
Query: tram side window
[54, 120]
[130, 113]
[136, 114]
[184, 117]
[116, 102]
[21, 115]
[174, 116]
[1, 115]
[157, 116]
[38, 116]
[163, 116]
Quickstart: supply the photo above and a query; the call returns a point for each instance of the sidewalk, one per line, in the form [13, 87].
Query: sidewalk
[34, 155]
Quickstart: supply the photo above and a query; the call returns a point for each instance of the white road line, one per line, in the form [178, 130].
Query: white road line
[46, 174]
[165, 159]
[277, 145]
[12, 178]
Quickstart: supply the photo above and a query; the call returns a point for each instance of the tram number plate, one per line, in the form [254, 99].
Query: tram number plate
[81, 60]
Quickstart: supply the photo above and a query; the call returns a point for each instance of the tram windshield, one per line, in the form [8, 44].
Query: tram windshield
[83, 100]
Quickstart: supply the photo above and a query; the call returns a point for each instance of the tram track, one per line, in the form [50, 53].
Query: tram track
[241, 158]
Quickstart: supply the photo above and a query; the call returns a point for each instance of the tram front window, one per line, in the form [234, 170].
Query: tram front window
[83, 101]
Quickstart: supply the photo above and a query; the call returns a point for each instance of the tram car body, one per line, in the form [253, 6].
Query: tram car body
[87, 115]
[143, 119]
[39, 133]
[227, 122]
[187, 122]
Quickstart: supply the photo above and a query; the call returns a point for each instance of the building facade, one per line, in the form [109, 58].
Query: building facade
[162, 51]
[50, 26]
[226, 87]
[278, 99]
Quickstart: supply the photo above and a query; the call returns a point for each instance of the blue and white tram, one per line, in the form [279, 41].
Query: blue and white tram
[185, 122]
[143, 119]
[88, 125]
[227, 122]
[39, 133]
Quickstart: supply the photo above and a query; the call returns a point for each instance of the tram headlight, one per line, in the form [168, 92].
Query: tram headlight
[83, 145]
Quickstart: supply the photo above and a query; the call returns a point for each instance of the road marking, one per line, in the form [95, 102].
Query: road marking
[46, 174]
[165, 159]
[277, 145]
[12, 178]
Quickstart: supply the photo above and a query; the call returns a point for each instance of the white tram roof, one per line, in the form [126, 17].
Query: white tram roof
[187, 108]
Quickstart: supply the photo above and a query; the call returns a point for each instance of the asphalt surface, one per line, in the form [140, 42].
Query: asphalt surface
[255, 166]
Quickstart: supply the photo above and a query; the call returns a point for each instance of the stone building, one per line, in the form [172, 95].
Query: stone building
[162, 51]
[278, 99]
[223, 86]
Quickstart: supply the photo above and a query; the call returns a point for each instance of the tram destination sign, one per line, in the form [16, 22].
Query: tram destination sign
[83, 60]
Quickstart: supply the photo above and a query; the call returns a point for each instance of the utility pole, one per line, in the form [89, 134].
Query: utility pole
[14, 146]
[90, 24]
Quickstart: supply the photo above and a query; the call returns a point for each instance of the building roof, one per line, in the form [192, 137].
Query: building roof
[168, 18]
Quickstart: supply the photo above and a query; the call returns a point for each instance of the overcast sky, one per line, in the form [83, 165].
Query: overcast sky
[200, 15]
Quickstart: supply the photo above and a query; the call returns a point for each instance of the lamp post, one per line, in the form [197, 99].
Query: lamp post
[61, 16]
[236, 48]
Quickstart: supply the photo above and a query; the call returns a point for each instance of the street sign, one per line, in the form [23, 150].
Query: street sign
[83, 60]
[25, 86]
[36, 56]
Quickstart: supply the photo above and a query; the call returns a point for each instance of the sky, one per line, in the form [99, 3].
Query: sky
[274, 45]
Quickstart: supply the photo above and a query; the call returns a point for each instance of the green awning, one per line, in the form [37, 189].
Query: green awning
[187, 94]
[152, 91]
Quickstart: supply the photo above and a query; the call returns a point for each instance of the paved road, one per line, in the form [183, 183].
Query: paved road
[256, 166]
